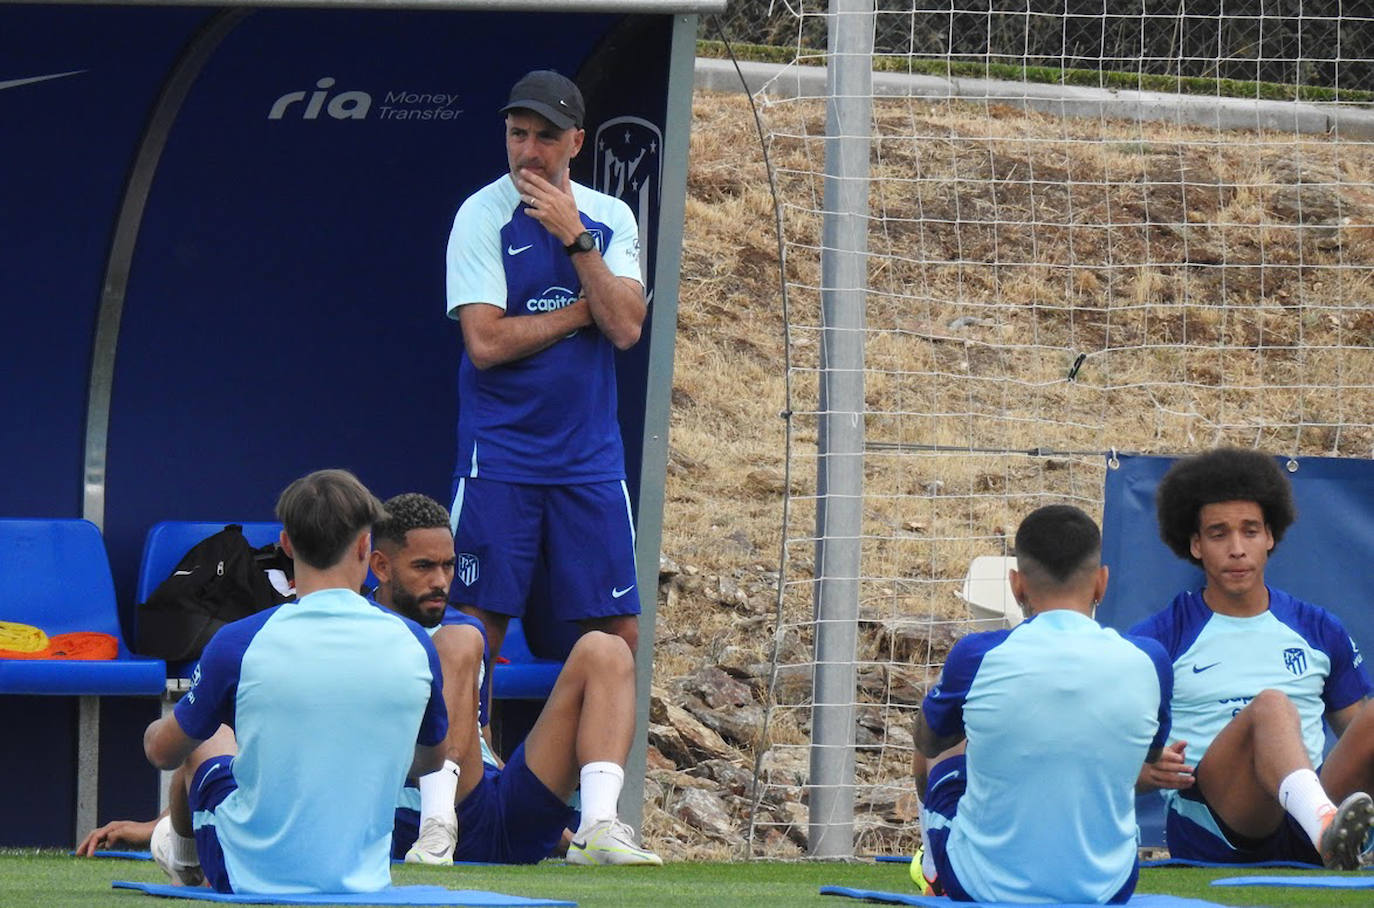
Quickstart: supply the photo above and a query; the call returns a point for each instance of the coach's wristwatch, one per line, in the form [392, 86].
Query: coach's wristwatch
[584, 242]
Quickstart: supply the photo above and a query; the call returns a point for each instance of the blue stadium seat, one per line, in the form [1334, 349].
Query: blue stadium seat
[57, 577]
[525, 676]
[167, 542]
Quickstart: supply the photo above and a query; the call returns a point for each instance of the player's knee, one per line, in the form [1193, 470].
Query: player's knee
[459, 647]
[606, 651]
[1270, 704]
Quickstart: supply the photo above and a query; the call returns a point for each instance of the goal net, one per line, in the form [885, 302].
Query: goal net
[1147, 231]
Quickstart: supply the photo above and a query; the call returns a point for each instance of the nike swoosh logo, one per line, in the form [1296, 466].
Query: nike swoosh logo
[1202, 668]
[616, 594]
[15, 83]
[181, 573]
[516, 250]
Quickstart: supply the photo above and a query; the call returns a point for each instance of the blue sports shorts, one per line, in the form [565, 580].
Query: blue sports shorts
[582, 534]
[510, 817]
[212, 783]
[1193, 841]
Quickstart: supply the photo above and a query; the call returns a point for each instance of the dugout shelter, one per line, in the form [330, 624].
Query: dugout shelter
[224, 258]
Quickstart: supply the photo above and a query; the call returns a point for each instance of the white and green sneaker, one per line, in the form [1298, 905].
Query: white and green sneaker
[435, 844]
[609, 842]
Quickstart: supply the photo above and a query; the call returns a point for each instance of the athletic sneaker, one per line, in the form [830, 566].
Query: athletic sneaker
[161, 847]
[609, 842]
[1344, 837]
[926, 879]
[435, 843]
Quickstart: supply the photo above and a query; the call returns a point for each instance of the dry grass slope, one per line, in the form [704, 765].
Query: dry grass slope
[1216, 284]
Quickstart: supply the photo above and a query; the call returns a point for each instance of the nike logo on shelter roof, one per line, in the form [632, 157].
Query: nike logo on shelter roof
[15, 83]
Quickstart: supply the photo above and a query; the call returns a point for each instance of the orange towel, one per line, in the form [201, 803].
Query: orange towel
[76, 645]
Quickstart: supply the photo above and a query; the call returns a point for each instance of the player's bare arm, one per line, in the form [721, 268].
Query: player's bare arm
[1167, 770]
[1340, 719]
[493, 338]
[617, 304]
[166, 745]
[428, 758]
[929, 743]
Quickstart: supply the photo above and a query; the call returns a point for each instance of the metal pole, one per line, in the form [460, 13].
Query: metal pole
[839, 479]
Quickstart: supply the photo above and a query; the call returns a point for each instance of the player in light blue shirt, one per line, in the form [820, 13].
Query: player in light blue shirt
[544, 278]
[1255, 673]
[303, 721]
[1031, 743]
[516, 813]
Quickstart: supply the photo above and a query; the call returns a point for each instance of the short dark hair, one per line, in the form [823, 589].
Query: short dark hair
[1224, 474]
[324, 512]
[1057, 542]
[405, 512]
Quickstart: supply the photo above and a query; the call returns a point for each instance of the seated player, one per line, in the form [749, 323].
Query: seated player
[1031, 742]
[517, 813]
[1255, 671]
[265, 744]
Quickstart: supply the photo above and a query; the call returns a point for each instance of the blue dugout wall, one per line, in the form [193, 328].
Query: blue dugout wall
[223, 240]
[1323, 557]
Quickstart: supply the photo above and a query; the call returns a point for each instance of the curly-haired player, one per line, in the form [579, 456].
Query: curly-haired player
[1255, 672]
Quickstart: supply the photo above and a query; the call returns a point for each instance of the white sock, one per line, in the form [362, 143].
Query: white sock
[1302, 795]
[184, 850]
[601, 784]
[438, 792]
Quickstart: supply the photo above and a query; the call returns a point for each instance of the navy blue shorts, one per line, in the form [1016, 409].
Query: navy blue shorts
[211, 784]
[509, 818]
[582, 534]
[948, 782]
[1191, 840]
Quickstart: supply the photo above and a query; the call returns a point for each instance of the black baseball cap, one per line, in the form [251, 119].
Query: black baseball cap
[549, 94]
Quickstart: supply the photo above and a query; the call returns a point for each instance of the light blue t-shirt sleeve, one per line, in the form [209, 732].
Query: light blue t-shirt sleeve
[474, 270]
[623, 255]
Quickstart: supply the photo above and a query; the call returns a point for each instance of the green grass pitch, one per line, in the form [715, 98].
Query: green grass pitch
[48, 879]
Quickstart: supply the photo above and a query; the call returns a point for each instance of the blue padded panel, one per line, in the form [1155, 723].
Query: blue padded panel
[526, 677]
[902, 898]
[58, 578]
[1300, 882]
[396, 895]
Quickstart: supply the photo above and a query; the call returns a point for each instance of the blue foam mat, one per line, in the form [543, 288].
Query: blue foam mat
[1150, 900]
[1364, 881]
[1186, 862]
[395, 895]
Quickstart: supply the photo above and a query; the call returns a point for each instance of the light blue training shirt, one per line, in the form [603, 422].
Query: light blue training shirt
[328, 697]
[1060, 714]
[548, 418]
[1220, 663]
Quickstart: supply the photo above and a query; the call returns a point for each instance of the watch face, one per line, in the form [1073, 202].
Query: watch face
[585, 242]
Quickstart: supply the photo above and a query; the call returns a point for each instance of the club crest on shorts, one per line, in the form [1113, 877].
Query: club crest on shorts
[466, 568]
[1295, 659]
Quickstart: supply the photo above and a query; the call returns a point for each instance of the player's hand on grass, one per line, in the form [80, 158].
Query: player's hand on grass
[115, 835]
[1169, 771]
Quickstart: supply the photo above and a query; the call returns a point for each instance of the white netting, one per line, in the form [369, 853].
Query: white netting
[1058, 268]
